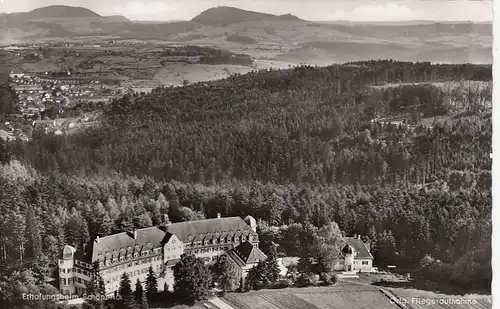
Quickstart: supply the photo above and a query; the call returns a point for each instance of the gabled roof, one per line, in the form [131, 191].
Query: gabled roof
[209, 228]
[248, 253]
[111, 246]
[154, 237]
[357, 244]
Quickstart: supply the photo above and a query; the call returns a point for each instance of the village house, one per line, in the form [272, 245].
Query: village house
[27, 88]
[356, 256]
[13, 75]
[44, 126]
[160, 247]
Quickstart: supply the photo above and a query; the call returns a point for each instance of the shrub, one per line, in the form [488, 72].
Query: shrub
[303, 280]
[314, 278]
[325, 278]
[284, 283]
[334, 278]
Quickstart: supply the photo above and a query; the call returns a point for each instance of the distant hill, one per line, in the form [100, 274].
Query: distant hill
[60, 11]
[225, 15]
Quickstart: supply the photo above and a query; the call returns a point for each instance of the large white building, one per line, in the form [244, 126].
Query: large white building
[160, 247]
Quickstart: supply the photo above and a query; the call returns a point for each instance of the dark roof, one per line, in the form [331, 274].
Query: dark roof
[231, 254]
[110, 246]
[248, 253]
[155, 237]
[172, 262]
[207, 229]
[360, 248]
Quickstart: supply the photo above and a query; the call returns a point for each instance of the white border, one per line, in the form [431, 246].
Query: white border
[495, 258]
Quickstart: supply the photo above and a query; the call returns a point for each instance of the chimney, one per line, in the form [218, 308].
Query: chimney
[135, 234]
[359, 236]
[97, 239]
[218, 215]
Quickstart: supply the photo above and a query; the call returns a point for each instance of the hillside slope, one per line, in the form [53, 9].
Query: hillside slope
[60, 11]
[225, 15]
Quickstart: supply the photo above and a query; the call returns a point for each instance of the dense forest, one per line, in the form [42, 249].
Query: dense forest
[298, 147]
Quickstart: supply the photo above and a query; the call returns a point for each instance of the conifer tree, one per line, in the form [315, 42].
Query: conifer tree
[33, 234]
[140, 296]
[271, 268]
[125, 292]
[151, 284]
[95, 288]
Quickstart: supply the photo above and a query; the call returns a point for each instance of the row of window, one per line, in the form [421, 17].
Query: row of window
[221, 241]
[213, 249]
[135, 254]
[172, 257]
[83, 264]
[138, 262]
[70, 281]
[135, 273]
[74, 270]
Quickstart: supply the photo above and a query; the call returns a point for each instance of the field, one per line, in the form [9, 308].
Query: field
[173, 74]
[343, 295]
[348, 295]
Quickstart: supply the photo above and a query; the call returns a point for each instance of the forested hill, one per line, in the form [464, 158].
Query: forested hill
[306, 124]
[295, 148]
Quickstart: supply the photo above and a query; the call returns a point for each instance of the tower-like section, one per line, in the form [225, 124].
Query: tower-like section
[66, 266]
[348, 258]
[251, 222]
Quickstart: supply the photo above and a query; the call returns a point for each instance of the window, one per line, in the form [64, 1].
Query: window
[365, 262]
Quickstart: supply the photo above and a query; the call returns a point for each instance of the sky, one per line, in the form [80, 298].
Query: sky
[315, 10]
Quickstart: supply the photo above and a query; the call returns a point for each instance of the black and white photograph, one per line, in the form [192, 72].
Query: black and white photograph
[232, 154]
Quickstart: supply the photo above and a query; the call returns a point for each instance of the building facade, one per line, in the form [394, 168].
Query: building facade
[161, 248]
[356, 256]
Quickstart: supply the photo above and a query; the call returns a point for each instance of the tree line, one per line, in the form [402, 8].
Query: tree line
[297, 149]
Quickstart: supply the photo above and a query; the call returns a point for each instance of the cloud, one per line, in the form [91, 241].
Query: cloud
[379, 12]
[145, 10]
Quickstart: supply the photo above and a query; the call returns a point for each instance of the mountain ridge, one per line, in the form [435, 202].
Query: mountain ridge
[226, 15]
[57, 12]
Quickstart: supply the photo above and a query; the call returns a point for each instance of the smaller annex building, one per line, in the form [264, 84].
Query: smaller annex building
[355, 256]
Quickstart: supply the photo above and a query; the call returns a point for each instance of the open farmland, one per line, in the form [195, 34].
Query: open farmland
[347, 295]
[173, 74]
[339, 296]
